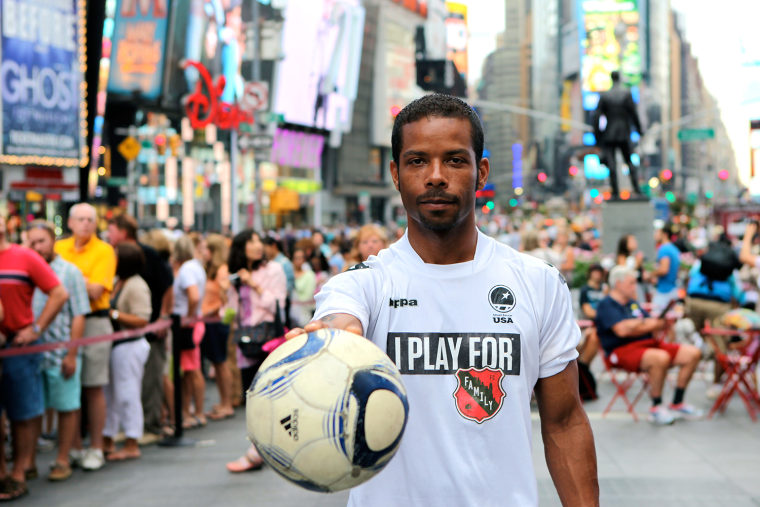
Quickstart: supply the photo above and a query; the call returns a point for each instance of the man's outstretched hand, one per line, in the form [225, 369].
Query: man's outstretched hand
[336, 320]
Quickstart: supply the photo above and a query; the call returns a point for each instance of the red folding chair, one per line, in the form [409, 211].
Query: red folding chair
[739, 363]
[622, 387]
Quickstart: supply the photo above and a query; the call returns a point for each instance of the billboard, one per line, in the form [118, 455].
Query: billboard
[754, 146]
[44, 114]
[317, 78]
[137, 51]
[456, 36]
[610, 40]
[395, 83]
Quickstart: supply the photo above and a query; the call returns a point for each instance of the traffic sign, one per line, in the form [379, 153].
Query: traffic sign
[255, 141]
[255, 96]
[687, 135]
[129, 148]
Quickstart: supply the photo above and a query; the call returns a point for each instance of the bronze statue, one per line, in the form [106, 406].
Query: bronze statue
[617, 106]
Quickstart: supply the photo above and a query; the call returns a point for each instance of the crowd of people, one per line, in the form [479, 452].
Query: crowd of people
[93, 283]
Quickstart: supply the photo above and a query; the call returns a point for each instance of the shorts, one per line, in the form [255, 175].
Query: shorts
[62, 394]
[190, 360]
[96, 357]
[21, 392]
[628, 357]
[214, 344]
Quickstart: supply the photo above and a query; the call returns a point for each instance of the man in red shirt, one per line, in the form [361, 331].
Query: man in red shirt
[21, 395]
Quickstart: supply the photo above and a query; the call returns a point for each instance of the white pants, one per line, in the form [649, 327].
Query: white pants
[123, 392]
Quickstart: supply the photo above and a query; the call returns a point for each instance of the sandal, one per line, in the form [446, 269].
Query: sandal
[217, 414]
[193, 422]
[12, 489]
[167, 431]
[123, 455]
[244, 464]
[59, 472]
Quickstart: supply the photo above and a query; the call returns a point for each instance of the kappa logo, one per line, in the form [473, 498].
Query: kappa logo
[290, 424]
[479, 395]
[502, 299]
[400, 303]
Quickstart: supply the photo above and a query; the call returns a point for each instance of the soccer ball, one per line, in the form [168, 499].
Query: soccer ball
[327, 410]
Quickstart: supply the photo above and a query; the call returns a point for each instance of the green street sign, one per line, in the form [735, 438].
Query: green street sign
[116, 181]
[686, 135]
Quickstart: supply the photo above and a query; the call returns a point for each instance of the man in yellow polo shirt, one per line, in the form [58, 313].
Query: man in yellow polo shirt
[97, 261]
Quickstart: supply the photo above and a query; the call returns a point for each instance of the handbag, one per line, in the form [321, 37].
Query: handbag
[250, 339]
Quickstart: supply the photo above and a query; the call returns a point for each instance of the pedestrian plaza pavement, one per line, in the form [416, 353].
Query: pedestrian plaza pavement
[712, 462]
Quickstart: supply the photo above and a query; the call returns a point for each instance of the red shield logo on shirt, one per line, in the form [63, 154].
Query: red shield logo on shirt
[479, 395]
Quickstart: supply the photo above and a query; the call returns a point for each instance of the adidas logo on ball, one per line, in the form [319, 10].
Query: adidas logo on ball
[290, 424]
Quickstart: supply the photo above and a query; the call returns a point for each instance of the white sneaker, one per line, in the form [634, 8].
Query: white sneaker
[685, 411]
[75, 457]
[93, 459]
[713, 391]
[660, 416]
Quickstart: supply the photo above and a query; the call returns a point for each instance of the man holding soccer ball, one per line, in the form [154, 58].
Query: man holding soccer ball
[473, 326]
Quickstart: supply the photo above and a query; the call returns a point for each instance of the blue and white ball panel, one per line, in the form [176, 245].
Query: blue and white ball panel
[327, 410]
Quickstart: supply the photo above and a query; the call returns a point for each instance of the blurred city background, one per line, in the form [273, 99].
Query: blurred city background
[123, 105]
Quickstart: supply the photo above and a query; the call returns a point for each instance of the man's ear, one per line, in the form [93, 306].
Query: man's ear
[484, 169]
[394, 174]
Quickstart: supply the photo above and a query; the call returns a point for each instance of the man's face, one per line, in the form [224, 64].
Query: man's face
[41, 242]
[83, 223]
[627, 287]
[437, 174]
[116, 235]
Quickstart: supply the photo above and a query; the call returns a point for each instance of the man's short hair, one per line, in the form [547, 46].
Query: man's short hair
[43, 225]
[442, 106]
[126, 223]
[595, 267]
[619, 273]
[615, 76]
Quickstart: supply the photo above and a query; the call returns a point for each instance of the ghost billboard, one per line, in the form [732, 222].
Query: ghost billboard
[44, 117]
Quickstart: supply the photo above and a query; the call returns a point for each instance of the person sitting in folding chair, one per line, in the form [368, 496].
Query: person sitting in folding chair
[626, 333]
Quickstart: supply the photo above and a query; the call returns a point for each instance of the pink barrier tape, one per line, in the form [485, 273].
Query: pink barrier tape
[119, 335]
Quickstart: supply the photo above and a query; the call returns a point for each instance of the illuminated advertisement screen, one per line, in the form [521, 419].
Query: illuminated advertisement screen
[317, 78]
[754, 146]
[137, 54]
[44, 116]
[456, 36]
[610, 40]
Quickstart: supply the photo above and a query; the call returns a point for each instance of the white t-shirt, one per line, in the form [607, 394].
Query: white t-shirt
[471, 340]
[189, 274]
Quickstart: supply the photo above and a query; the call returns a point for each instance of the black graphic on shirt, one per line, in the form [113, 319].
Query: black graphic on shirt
[445, 353]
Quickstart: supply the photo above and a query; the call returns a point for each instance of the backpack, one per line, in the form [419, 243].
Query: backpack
[718, 262]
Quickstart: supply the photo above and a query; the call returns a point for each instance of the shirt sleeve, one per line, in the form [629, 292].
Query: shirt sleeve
[353, 292]
[135, 298]
[40, 272]
[78, 298]
[560, 333]
[185, 277]
[104, 271]
[584, 295]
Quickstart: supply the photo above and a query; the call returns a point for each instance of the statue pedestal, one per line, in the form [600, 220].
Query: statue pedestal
[628, 217]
